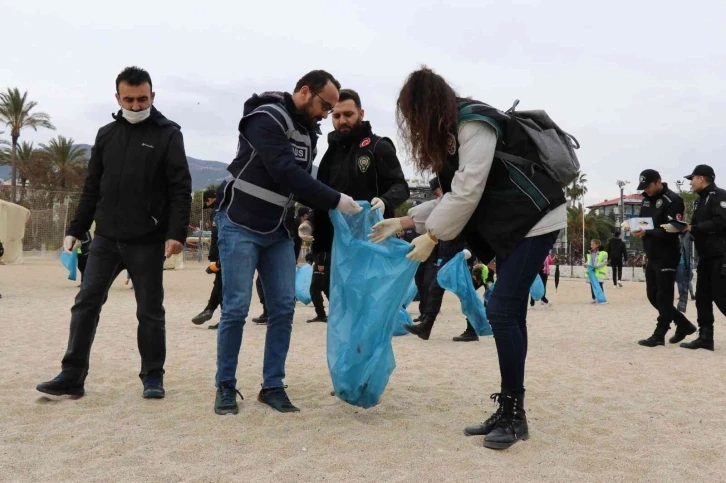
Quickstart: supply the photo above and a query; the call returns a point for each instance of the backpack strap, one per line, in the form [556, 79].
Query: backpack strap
[475, 111]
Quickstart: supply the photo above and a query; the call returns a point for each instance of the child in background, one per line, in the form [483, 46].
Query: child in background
[544, 274]
[598, 259]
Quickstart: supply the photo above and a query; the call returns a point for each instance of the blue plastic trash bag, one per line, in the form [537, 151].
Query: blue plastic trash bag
[368, 282]
[70, 261]
[595, 284]
[303, 278]
[455, 277]
[537, 290]
[404, 318]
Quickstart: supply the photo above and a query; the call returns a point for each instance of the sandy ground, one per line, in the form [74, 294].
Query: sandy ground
[601, 408]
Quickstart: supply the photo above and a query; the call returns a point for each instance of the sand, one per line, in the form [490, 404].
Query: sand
[600, 407]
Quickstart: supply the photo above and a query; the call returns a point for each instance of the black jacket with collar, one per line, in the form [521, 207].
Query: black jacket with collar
[363, 166]
[708, 226]
[138, 188]
[658, 243]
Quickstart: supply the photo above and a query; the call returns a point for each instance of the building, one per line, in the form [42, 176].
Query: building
[631, 205]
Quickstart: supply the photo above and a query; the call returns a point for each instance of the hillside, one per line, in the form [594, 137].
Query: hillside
[203, 172]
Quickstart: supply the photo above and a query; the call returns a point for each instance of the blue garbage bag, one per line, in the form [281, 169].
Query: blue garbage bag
[404, 318]
[455, 277]
[70, 261]
[537, 290]
[595, 284]
[368, 282]
[303, 278]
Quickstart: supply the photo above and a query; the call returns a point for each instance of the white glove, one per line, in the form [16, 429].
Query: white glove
[625, 225]
[305, 230]
[347, 205]
[378, 204]
[670, 228]
[467, 254]
[385, 229]
[422, 248]
[71, 244]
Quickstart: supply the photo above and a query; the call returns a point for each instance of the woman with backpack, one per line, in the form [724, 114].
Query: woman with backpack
[511, 210]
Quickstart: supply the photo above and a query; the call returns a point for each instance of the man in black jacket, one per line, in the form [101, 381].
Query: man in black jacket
[359, 164]
[663, 251]
[138, 190]
[708, 228]
[617, 254]
[209, 198]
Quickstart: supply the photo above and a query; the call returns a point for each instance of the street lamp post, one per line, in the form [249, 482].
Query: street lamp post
[622, 184]
[679, 183]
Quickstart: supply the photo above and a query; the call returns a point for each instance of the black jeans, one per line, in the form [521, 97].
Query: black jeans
[105, 261]
[319, 285]
[215, 298]
[425, 277]
[617, 272]
[507, 309]
[710, 289]
[660, 282]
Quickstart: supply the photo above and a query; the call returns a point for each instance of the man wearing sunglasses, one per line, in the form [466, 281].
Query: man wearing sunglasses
[360, 164]
[277, 144]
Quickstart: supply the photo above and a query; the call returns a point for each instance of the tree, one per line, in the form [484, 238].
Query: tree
[689, 198]
[578, 188]
[15, 113]
[67, 162]
[29, 162]
[599, 227]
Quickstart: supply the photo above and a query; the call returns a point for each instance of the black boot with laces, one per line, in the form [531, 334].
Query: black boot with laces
[485, 428]
[512, 424]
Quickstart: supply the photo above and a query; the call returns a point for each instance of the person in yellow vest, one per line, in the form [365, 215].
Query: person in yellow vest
[600, 266]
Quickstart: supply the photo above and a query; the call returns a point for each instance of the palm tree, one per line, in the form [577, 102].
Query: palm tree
[65, 158]
[578, 188]
[29, 162]
[15, 113]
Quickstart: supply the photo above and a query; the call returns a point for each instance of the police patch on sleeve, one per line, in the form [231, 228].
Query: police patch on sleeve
[365, 142]
[364, 162]
[723, 204]
[451, 144]
[659, 203]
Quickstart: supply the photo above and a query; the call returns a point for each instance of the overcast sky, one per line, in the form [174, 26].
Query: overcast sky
[640, 84]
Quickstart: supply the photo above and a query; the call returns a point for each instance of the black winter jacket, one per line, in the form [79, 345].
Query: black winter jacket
[138, 188]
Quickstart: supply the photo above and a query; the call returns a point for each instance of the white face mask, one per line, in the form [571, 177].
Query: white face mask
[135, 117]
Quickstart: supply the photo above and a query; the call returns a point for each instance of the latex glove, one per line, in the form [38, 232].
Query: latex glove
[347, 205]
[71, 244]
[378, 204]
[670, 228]
[625, 225]
[305, 231]
[467, 254]
[385, 229]
[422, 248]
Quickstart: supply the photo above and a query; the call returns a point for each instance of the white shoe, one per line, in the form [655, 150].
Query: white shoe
[547, 304]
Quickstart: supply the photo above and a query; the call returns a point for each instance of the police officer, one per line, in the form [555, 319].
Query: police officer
[360, 164]
[708, 229]
[663, 251]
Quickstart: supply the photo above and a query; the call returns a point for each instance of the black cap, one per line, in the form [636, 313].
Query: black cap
[702, 170]
[647, 177]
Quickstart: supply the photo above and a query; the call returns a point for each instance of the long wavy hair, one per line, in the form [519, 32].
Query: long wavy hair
[426, 112]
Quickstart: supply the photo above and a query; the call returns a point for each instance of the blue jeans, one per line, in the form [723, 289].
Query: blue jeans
[507, 308]
[241, 252]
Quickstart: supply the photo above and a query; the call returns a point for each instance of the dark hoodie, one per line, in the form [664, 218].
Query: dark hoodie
[272, 167]
[138, 188]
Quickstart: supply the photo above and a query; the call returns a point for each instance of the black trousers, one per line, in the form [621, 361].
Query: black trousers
[215, 298]
[710, 289]
[425, 278]
[261, 293]
[660, 282]
[320, 285]
[105, 261]
[617, 272]
[544, 278]
[82, 262]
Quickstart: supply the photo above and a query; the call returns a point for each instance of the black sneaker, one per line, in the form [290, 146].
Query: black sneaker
[467, 336]
[226, 400]
[277, 399]
[203, 317]
[61, 386]
[154, 389]
[262, 319]
[319, 318]
[652, 341]
[213, 326]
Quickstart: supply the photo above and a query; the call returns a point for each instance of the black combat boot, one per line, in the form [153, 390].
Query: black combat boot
[486, 427]
[423, 330]
[512, 423]
[704, 340]
[658, 337]
[684, 328]
[469, 334]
